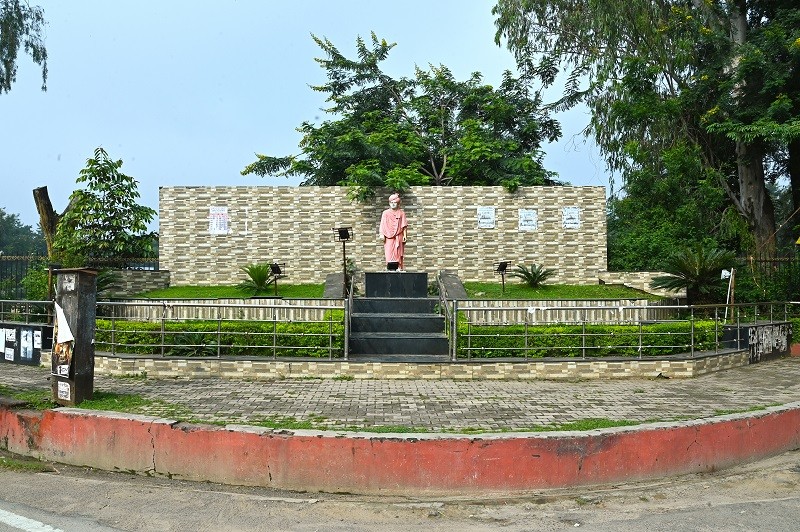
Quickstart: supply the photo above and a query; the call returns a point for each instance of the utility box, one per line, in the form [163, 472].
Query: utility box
[73, 336]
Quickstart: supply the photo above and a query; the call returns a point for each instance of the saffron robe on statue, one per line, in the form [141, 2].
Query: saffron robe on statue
[393, 223]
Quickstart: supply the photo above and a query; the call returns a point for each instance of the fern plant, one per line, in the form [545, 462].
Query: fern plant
[260, 277]
[697, 270]
[535, 276]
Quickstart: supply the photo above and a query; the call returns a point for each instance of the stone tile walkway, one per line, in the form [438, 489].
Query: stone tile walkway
[444, 405]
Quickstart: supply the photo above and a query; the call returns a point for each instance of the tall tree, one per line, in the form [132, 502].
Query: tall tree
[17, 238]
[104, 221]
[715, 70]
[21, 27]
[429, 129]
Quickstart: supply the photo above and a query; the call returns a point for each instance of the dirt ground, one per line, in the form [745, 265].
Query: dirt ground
[757, 496]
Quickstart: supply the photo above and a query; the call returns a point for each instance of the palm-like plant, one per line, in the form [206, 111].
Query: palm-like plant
[535, 276]
[260, 278]
[697, 270]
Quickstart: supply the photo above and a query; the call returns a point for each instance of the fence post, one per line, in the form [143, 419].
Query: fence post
[219, 332]
[346, 329]
[583, 333]
[738, 329]
[274, 333]
[163, 318]
[692, 336]
[330, 335]
[113, 330]
[526, 338]
[454, 331]
[640, 339]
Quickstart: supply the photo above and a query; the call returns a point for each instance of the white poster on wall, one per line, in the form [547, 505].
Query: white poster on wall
[218, 221]
[571, 217]
[486, 219]
[528, 220]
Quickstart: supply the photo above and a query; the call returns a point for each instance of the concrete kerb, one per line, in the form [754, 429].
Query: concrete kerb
[370, 463]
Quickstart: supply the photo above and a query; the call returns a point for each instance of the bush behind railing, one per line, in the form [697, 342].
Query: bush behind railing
[241, 338]
[671, 338]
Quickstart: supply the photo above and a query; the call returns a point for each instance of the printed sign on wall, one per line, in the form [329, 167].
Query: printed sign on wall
[571, 217]
[486, 218]
[528, 220]
[218, 221]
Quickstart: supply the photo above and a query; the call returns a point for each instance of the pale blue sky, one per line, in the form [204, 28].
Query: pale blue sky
[186, 91]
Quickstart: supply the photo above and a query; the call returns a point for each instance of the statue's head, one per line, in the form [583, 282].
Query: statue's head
[394, 200]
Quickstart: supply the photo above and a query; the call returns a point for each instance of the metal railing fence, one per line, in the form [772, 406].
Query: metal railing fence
[172, 328]
[220, 330]
[688, 330]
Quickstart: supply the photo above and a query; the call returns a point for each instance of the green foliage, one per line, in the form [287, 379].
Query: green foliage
[237, 338]
[658, 339]
[697, 270]
[35, 282]
[533, 277]
[662, 211]
[427, 129]
[17, 239]
[661, 75]
[21, 27]
[299, 291]
[193, 345]
[104, 221]
[477, 290]
[260, 278]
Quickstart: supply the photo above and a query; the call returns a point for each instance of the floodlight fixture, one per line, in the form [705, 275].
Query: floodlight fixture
[501, 268]
[278, 271]
[343, 235]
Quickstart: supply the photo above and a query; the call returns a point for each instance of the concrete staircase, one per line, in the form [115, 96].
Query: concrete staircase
[396, 321]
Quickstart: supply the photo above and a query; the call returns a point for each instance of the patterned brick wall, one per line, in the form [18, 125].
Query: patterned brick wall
[564, 229]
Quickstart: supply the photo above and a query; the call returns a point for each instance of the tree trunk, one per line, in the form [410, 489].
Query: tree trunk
[794, 177]
[754, 202]
[48, 218]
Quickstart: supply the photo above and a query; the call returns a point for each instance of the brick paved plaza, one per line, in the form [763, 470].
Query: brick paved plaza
[447, 405]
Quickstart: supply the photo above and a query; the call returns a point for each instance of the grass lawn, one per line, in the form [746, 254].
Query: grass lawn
[299, 291]
[513, 290]
[517, 290]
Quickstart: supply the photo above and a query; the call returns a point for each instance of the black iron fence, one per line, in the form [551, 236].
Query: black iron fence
[774, 278]
[13, 270]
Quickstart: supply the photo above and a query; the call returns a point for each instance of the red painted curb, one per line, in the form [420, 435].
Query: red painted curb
[375, 463]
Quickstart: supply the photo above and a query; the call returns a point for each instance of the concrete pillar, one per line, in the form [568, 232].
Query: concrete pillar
[73, 361]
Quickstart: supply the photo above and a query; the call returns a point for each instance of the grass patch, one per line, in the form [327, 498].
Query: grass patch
[298, 291]
[553, 292]
[36, 399]
[15, 463]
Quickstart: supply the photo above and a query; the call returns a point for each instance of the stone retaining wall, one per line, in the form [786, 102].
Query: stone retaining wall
[208, 233]
[563, 369]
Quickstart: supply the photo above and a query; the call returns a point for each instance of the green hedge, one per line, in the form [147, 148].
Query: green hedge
[600, 340]
[238, 338]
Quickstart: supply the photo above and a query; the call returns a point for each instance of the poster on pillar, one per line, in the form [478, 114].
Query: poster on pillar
[63, 346]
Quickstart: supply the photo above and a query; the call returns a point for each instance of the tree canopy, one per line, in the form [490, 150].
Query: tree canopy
[17, 238]
[21, 28]
[104, 221]
[719, 77]
[429, 129]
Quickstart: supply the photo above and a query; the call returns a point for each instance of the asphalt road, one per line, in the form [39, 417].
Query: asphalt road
[763, 496]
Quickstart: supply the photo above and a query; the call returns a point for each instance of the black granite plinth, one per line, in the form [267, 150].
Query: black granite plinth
[396, 284]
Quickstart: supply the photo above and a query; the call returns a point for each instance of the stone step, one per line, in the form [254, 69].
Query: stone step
[396, 284]
[409, 358]
[397, 322]
[390, 343]
[394, 305]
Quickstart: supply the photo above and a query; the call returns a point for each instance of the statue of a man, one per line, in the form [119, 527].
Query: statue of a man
[394, 231]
